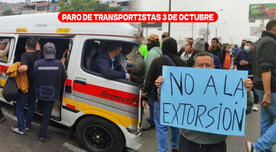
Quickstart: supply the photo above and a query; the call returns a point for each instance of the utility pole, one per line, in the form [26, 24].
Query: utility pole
[169, 27]
[216, 32]
[193, 30]
[207, 32]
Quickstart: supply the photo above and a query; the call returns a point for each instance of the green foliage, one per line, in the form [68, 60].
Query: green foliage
[86, 5]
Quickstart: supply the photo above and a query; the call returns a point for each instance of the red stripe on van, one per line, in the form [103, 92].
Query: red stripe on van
[3, 68]
[108, 94]
[70, 106]
[68, 82]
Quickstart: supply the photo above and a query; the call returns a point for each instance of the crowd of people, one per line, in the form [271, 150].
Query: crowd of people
[258, 58]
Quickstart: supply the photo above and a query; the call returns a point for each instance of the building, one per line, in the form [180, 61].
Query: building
[43, 6]
[15, 8]
[124, 4]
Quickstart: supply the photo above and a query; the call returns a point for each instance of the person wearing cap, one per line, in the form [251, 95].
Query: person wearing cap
[49, 74]
[27, 60]
[153, 46]
[169, 58]
[4, 49]
[154, 52]
[199, 46]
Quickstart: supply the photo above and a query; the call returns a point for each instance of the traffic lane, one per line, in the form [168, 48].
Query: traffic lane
[59, 139]
[234, 143]
[12, 142]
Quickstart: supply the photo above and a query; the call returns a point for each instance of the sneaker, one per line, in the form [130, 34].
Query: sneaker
[255, 107]
[41, 140]
[249, 147]
[147, 126]
[16, 130]
[27, 128]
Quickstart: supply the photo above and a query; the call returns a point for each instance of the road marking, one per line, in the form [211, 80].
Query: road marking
[73, 148]
[12, 117]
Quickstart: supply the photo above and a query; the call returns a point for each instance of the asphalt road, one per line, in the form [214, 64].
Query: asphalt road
[234, 143]
[60, 141]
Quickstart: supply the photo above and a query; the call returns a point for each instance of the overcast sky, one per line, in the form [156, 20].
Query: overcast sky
[14, 1]
[232, 26]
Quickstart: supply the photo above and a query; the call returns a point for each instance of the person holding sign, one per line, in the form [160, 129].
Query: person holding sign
[196, 141]
[170, 58]
[264, 72]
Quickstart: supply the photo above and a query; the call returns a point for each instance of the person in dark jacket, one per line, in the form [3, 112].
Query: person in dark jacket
[49, 75]
[170, 58]
[244, 59]
[264, 73]
[216, 49]
[105, 63]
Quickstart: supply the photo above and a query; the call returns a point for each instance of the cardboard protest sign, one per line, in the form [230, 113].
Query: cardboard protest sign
[206, 100]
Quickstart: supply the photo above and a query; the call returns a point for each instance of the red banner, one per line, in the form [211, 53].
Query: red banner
[177, 16]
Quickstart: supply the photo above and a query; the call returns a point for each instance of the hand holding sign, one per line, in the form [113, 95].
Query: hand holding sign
[158, 81]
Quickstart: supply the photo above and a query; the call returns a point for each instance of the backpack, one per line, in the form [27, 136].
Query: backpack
[10, 90]
[47, 93]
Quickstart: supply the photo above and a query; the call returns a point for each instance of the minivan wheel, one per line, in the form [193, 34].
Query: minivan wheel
[99, 135]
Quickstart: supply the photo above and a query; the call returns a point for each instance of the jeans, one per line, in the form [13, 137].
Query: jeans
[47, 107]
[22, 99]
[151, 107]
[162, 132]
[267, 124]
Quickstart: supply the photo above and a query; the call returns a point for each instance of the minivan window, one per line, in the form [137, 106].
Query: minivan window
[63, 47]
[95, 49]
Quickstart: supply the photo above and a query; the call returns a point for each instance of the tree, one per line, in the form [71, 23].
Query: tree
[8, 12]
[86, 5]
[105, 7]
